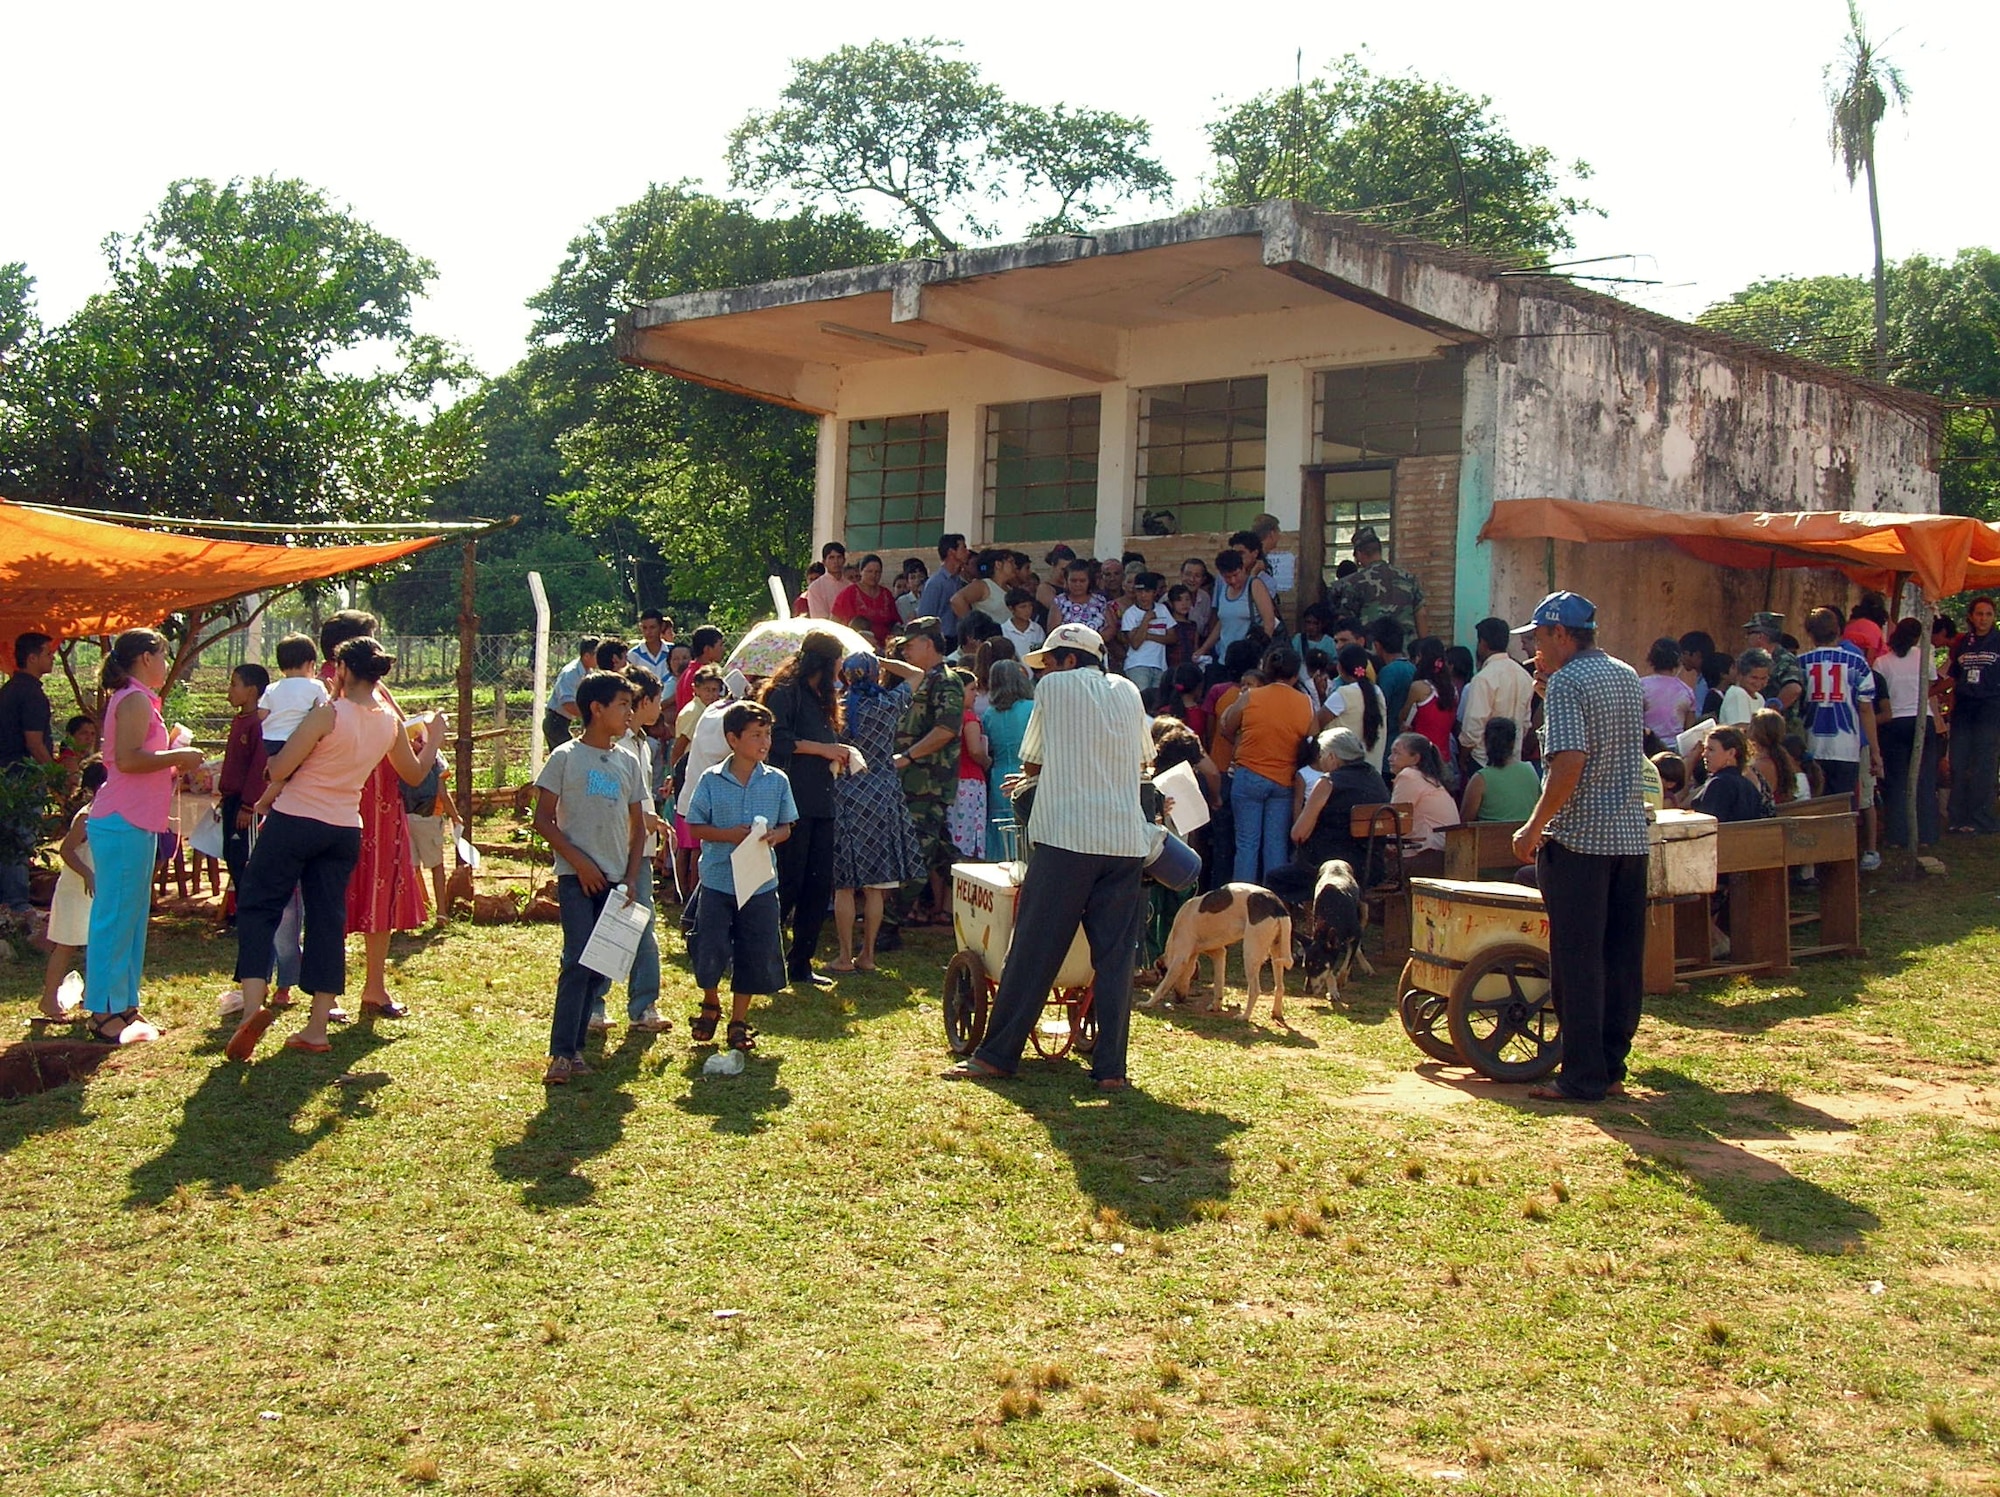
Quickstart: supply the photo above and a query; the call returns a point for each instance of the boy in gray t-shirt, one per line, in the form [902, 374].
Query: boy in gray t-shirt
[590, 812]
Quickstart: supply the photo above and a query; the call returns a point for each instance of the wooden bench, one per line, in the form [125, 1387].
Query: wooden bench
[1759, 857]
[1819, 805]
[1383, 827]
[1481, 850]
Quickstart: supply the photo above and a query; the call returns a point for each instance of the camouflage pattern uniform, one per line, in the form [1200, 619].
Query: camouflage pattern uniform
[930, 784]
[1375, 591]
[1785, 666]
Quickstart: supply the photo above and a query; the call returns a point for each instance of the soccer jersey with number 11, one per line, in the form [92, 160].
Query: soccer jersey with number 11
[1839, 687]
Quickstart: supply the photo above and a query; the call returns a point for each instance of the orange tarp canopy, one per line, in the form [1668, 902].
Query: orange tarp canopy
[1947, 554]
[69, 577]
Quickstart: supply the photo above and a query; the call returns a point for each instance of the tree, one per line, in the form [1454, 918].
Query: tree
[213, 377]
[719, 487]
[1860, 86]
[1941, 335]
[913, 124]
[17, 308]
[1418, 157]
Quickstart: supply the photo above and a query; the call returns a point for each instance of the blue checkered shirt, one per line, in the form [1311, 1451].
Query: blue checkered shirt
[1594, 704]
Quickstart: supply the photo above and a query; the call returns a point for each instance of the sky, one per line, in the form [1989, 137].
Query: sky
[485, 137]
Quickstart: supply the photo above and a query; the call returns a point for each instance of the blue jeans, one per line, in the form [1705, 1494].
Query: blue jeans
[1263, 825]
[119, 914]
[577, 987]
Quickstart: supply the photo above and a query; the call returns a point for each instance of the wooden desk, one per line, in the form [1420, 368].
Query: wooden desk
[1759, 856]
[1481, 850]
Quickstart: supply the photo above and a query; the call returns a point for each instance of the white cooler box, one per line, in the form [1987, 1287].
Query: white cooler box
[1683, 855]
[983, 896]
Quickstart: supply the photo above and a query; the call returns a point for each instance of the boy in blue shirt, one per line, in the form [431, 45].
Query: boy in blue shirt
[591, 813]
[740, 939]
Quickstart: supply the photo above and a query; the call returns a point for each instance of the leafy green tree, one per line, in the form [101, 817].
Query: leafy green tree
[17, 308]
[913, 124]
[214, 377]
[718, 487]
[1860, 86]
[1943, 337]
[1418, 157]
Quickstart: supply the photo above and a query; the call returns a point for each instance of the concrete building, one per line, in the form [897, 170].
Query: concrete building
[1154, 387]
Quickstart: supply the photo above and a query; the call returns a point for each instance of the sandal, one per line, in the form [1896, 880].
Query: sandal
[972, 1068]
[741, 1036]
[131, 1030]
[311, 1047]
[390, 1010]
[701, 1026]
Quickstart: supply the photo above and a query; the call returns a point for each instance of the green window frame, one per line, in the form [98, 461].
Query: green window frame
[895, 481]
[1389, 410]
[1201, 453]
[1041, 469]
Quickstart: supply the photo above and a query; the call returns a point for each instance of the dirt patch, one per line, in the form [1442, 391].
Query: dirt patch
[1981, 1276]
[923, 1327]
[32, 1067]
[1890, 1097]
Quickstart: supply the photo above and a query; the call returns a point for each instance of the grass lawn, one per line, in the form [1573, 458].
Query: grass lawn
[1288, 1263]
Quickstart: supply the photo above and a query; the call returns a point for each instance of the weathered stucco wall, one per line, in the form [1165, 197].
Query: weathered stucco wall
[1647, 589]
[1593, 409]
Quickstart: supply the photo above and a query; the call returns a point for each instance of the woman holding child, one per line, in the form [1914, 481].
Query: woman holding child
[126, 819]
[313, 836]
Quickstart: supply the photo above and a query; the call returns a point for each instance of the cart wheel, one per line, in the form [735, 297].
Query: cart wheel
[1053, 1043]
[1083, 1023]
[1503, 1014]
[965, 1003]
[1423, 1015]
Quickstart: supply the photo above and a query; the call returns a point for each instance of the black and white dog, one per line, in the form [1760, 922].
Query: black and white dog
[1338, 918]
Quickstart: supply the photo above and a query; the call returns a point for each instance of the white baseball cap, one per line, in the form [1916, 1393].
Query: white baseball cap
[1068, 637]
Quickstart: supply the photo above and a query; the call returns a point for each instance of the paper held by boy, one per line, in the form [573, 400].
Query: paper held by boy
[1190, 808]
[750, 864]
[614, 940]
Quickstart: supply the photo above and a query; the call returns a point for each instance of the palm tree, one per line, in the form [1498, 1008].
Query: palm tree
[1860, 86]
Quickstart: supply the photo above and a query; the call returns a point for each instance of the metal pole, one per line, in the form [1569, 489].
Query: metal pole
[468, 642]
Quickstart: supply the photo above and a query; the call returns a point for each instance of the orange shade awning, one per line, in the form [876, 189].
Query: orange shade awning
[71, 577]
[1946, 554]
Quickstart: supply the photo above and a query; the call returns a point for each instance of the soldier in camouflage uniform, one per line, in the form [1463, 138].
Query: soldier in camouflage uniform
[1788, 681]
[927, 758]
[1376, 589]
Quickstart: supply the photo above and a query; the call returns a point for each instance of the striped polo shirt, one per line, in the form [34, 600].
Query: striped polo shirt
[1088, 733]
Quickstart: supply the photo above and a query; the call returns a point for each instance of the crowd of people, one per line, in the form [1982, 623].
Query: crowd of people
[865, 773]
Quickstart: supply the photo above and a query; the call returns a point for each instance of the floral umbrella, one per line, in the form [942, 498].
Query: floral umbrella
[770, 644]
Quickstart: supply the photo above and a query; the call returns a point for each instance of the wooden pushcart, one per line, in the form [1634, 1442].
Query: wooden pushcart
[984, 897]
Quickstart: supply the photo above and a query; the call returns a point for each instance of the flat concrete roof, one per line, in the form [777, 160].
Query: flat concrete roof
[1069, 302]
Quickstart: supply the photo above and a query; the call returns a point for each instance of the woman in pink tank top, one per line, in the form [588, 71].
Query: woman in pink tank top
[126, 819]
[311, 839]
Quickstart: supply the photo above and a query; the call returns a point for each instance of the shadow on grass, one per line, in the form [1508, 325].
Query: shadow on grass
[1693, 1137]
[577, 1122]
[239, 1127]
[735, 1104]
[1132, 1152]
[1229, 1026]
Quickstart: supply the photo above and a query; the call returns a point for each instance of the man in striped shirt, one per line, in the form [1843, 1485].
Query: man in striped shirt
[1085, 747]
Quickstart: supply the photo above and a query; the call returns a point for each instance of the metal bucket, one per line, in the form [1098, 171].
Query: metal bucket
[1175, 866]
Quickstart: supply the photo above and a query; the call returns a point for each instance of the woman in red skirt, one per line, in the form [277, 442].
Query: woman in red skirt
[386, 892]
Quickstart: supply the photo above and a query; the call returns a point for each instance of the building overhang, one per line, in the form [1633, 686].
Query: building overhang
[1070, 303]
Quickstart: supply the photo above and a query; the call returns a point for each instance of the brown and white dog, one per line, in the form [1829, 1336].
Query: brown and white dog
[1339, 915]
[1210, 925]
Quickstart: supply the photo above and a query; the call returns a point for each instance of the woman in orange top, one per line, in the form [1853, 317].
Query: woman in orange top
[1268, 723]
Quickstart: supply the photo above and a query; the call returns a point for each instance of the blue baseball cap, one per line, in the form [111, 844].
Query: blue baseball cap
[1564, 610]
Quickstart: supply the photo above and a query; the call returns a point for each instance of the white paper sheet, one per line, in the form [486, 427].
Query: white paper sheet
[615, 938]
[751, 865]
[1694, 737]
[1284, 567]
[1190, 805]
[468, 855]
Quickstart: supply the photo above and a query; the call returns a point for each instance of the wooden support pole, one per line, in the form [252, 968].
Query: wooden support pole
[468, 643]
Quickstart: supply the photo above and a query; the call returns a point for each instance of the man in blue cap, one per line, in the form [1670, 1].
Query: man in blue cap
[1587, 838]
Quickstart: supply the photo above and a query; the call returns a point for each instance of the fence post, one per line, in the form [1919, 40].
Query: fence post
[468, 624]
[536, 747]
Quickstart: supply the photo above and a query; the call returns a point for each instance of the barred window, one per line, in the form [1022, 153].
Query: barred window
[1201, 454]
[1041, 469]
[1389, 410]
[895, 482]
